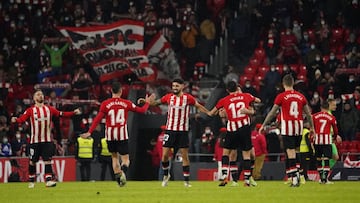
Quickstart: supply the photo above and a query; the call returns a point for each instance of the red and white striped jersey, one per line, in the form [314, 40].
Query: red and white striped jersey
[232, 105]
[116, 111]
[291, 115]
[323, 121]
[40, 120]
[178, 111]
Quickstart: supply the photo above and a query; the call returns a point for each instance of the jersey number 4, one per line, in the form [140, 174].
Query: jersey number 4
[294, 109]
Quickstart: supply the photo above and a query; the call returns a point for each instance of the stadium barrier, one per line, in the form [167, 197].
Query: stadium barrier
[15, 169]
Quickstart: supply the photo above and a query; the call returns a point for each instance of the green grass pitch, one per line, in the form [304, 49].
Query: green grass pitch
[201, 191]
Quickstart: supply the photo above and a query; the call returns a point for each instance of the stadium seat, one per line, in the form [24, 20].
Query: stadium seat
[249, 70]
[326, 58]
[294, 67]
[257, 79]
[259, 54]
[302, 70]
[337, 34]
[254, 62]
[311, 34]
[263, 69]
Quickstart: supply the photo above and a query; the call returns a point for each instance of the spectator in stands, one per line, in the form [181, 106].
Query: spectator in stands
[4, 127]
[348, 122]
[304, 45]
[188, 41]
[310, 56]
[352, 58]
[5, 147]
[208, 140]
[81, 83]
[315, 81]
[230, 74]
[289, 51]
[207, 41]
[318, 64]
[248, 88]
[274, 141]
[56, 55]
[271, 45]
[296, 29]
[323, 36]
[351, 43]
[3, 110]
[240, 34]
[271, 80]
[332, 64]
[315, 102]
[18, 144]
[287, 70]
[352, 14]
[350, 85]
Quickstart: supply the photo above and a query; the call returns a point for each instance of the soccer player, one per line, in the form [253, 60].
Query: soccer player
[237, 106]
[337, 139]
[291, 104]
[324, 122]
[177, 127]
[41, 140]
[116, 110]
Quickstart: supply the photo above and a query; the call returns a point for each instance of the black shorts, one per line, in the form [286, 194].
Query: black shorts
[43, 149]
[176, 139]
[323, 150]
[121, 146]
[240, 139]
[291, 142]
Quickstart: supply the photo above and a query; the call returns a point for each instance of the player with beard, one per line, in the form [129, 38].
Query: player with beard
[41, 140]
[177, 127]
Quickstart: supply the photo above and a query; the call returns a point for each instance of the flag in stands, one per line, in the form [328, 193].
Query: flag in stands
[114, 49]
[162, 58]
[351, 164]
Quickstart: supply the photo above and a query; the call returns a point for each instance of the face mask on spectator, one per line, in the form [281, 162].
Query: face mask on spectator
[273, 69]
[21, 17]
[33, 43]
[332, 57]
[316, 95]
[312, 46]
[351, 79]
[187, 28]
[38, 13]
[317, 58]
[29, 7]
[5, 140]
[18, 135]
[306, 37]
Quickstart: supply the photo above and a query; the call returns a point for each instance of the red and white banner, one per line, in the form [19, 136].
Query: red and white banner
[351, 164]
[63, 167]
[114, 49]
[162, 58]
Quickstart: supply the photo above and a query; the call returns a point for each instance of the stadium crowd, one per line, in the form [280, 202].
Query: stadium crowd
[315, 41]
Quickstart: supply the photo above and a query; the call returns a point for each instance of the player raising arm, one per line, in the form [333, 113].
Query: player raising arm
[116, 110]
[41, 141]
